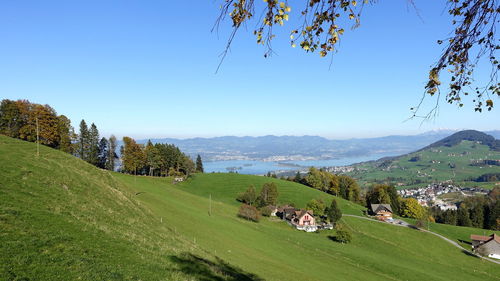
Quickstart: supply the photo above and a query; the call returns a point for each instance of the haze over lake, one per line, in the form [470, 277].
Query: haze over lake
[256, 167]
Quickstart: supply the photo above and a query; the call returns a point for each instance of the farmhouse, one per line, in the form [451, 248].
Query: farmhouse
[486, 245]
[298, 218]
[381, 211]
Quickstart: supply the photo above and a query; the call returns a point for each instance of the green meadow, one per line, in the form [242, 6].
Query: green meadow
[63, 219]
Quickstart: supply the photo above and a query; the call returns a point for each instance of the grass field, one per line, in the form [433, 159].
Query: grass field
[433, 165]
[63, 219]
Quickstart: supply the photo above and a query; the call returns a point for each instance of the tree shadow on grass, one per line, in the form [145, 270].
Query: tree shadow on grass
[205, 270]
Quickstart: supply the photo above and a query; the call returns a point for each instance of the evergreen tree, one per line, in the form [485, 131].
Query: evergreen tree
[110, 158]
[333, 212]
[463, 218]
[298, 177]
[450, 217]
[199, 164]
[103, 153]
[93, 152]
[477, 216]
[83, 141]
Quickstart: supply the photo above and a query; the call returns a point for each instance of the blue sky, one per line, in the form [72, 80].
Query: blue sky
[147, 69]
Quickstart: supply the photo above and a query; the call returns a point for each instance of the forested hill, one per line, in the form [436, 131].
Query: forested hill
[468, 135]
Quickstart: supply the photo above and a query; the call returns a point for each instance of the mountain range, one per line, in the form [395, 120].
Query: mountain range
[280, 148]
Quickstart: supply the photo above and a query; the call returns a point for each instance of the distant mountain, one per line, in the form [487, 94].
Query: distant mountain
[469, 135]
[281, 148]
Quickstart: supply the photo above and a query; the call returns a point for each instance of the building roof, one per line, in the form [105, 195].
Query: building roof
[380, 207]
[303, 212]
[485, 239]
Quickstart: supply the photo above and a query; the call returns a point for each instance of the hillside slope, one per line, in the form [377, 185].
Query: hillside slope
[462, 158]
[62, 219]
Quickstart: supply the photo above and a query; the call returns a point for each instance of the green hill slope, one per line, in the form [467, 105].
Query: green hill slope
[433, 164]
[62, 219]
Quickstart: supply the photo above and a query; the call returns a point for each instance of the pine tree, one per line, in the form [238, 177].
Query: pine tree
[103, 153]
[110, 158]
[93, 152]
[477, 216]
[199, 164]
[83, 141]
[463, 218]
[333, 212]
[298, 177]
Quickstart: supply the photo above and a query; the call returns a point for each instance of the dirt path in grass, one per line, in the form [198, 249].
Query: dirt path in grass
[405, 224]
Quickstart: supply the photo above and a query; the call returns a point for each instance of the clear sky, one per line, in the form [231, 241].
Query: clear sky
[147, 69]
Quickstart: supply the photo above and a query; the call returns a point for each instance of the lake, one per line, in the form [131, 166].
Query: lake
[255, 167]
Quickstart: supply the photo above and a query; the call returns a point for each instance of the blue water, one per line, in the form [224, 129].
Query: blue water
[252, 167]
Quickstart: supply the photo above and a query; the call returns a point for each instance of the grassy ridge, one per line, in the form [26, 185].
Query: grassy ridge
[62, 219]
[435, 164]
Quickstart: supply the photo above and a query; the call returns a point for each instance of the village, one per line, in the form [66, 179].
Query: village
[429, 196]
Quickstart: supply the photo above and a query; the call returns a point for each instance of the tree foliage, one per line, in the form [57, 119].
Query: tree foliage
[324, 22]
[342, 234]
[154, 159]
[249, 212]
[268, 195]
[20, 119]
[199, 164]
[384, 194]
[317, 206]
[411, 209]
[342, 186]
[249, 196]
[333, 212]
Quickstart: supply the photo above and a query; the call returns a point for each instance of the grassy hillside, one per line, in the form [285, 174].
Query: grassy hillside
[225, 188]
[62, 219]
[434, 164]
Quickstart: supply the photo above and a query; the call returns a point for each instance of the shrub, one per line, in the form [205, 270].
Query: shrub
[342, 234]
[248, 197]
[266, 211]
[249, 212]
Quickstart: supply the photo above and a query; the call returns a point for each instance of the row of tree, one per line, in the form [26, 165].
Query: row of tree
[156, 159]
[100, 152]
[338, 185]
[31, 122]
[28, 121]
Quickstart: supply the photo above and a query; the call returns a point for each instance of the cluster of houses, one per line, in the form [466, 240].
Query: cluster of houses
[428, 196]
[488, 246]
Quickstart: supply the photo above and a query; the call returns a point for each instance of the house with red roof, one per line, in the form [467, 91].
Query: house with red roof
[488, 246]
